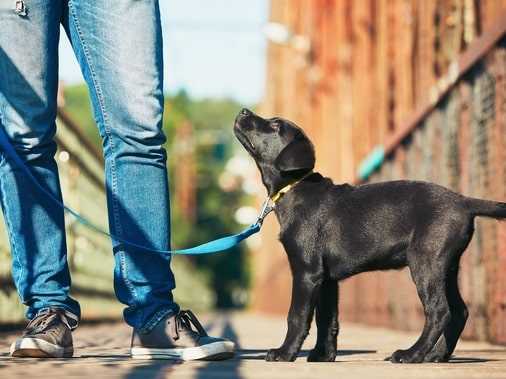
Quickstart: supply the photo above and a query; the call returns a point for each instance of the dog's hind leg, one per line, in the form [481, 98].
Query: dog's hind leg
[327, 323]
[443, 349]
[430, 280]
[305, 290]
[459, 313]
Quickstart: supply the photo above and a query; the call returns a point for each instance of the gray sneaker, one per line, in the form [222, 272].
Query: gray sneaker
[180, 337]
[48, 335]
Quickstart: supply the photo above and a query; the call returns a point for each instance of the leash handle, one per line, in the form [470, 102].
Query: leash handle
[214, 246]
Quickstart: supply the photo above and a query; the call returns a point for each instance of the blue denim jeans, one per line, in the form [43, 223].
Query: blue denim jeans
[118, 44]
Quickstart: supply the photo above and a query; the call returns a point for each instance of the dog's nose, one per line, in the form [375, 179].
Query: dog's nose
[245, 112]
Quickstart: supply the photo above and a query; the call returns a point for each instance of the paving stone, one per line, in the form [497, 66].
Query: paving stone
[102, 351]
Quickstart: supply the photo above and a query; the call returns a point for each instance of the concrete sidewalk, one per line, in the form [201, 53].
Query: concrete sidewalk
[101, 351]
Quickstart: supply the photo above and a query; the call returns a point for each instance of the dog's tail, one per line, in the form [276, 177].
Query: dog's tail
[487, 208]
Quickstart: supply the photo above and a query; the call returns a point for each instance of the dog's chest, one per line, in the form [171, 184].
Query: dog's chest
[300, 236]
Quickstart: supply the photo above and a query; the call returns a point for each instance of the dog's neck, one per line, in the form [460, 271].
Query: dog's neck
[281, 184]
[281, 192]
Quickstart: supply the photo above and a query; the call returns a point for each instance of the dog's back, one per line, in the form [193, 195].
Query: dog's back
[376, 226]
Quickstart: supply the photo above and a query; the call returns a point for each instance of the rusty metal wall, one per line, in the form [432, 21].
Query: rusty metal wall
[370, 66]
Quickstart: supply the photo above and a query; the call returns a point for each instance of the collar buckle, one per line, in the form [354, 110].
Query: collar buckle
[275, 198]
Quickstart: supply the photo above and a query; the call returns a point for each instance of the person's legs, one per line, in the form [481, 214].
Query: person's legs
[119, 47]
[28, 87]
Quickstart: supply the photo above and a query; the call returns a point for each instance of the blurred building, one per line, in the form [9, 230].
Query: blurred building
[391, 89]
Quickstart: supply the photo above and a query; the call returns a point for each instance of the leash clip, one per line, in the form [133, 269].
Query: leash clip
[266, 209]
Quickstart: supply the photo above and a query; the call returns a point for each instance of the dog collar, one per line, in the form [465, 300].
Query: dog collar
[275, 198]
[268, 208]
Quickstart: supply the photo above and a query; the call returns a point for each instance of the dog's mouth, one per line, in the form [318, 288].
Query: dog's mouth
[245, 141]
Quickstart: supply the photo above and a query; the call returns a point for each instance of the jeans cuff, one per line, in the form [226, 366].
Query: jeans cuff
[156, 318]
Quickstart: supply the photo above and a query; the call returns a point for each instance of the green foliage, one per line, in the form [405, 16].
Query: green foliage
[212, 122]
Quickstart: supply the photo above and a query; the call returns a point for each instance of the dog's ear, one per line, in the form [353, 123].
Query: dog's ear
[298, 155]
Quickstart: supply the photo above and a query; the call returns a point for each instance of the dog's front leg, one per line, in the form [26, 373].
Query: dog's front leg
[304, 294]
[327, 323]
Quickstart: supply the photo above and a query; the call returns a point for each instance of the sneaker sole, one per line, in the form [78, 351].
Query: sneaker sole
[38, 348]
[215, 351]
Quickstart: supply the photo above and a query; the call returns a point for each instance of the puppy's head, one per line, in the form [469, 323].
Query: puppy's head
[281, 150]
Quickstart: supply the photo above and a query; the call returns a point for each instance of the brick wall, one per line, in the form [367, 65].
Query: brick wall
[370, 66]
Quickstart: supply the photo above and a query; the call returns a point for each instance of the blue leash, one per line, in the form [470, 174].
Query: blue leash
[215, 246]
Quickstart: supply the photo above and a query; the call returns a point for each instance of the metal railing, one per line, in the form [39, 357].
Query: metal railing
[465, 62]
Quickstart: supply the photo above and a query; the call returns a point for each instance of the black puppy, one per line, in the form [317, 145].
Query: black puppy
[331, 232]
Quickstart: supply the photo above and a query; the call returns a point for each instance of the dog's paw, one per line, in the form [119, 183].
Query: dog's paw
[406, 356]
[436, 357]
[278, 355]
[317, 355]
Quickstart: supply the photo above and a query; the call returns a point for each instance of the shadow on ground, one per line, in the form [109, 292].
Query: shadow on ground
[213, 369]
